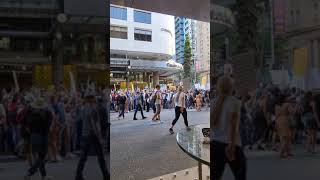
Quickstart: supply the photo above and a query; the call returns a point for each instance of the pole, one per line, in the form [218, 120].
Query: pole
[15, 79]
[272, 31]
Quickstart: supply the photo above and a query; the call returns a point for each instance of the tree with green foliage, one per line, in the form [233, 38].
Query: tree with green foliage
[249, 17]
[187, 58]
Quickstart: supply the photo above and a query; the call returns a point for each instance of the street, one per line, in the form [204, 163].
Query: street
[141, 151]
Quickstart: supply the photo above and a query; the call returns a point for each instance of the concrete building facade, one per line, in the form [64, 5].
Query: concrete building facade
[203, 52]
[302, 28]
[141, 44]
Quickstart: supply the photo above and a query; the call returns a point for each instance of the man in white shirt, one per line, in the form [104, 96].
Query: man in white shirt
[180, 108]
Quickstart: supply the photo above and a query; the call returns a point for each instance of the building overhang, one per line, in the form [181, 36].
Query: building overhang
[165, 68]
[139, 54]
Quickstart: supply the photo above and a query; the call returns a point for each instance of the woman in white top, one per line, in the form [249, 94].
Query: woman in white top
[180, 108]
[226, 141]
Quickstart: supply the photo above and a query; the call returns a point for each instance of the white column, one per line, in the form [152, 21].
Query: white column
[155, 79]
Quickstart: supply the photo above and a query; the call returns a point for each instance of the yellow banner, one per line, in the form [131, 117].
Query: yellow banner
[42, 75]
[123, 85]
[300, 61]
[204, 81]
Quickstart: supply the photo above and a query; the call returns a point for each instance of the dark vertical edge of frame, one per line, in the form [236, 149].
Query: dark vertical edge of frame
[107, 46]
[211, 85]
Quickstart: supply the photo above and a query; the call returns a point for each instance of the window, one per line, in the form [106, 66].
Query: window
[142, 17]
[118, 13]
[142, 35]
[118, 32]
[4, 43]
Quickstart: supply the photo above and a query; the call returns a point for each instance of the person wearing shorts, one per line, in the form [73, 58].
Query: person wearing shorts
[157, 103]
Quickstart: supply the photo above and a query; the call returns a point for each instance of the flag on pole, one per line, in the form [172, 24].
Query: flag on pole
[15, 79]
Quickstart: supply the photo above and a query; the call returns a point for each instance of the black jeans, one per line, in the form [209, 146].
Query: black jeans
[184, 114]
[39, 145]
[89, 141]
[219, 159]
[146, 104]
[121, 110]
[138, 108]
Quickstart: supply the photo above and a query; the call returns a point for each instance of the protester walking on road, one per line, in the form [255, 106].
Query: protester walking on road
[38, 123]
[122, 103]
[91, 136]
[139, 103]
[158, 102]
[180, 108]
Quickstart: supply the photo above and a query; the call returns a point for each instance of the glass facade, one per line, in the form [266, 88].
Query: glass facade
[118, 13]
[142, 17]
[142, 35]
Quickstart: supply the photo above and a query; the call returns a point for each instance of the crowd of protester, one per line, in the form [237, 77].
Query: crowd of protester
[66, 119]
[274, 118]
[266, 118]
[129, 99]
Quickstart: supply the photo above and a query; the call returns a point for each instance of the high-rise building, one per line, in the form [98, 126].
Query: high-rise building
[203, 52]
[184, 28]
[141, 45]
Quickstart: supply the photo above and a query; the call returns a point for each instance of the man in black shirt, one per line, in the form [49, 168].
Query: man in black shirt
[38, 122]
[122, 103]
[146, 101]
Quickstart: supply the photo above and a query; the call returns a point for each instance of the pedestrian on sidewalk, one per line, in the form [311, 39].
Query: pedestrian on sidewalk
[139, 104]
[38, 124]
[226, 140]
[91, 136]
[180, 108]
